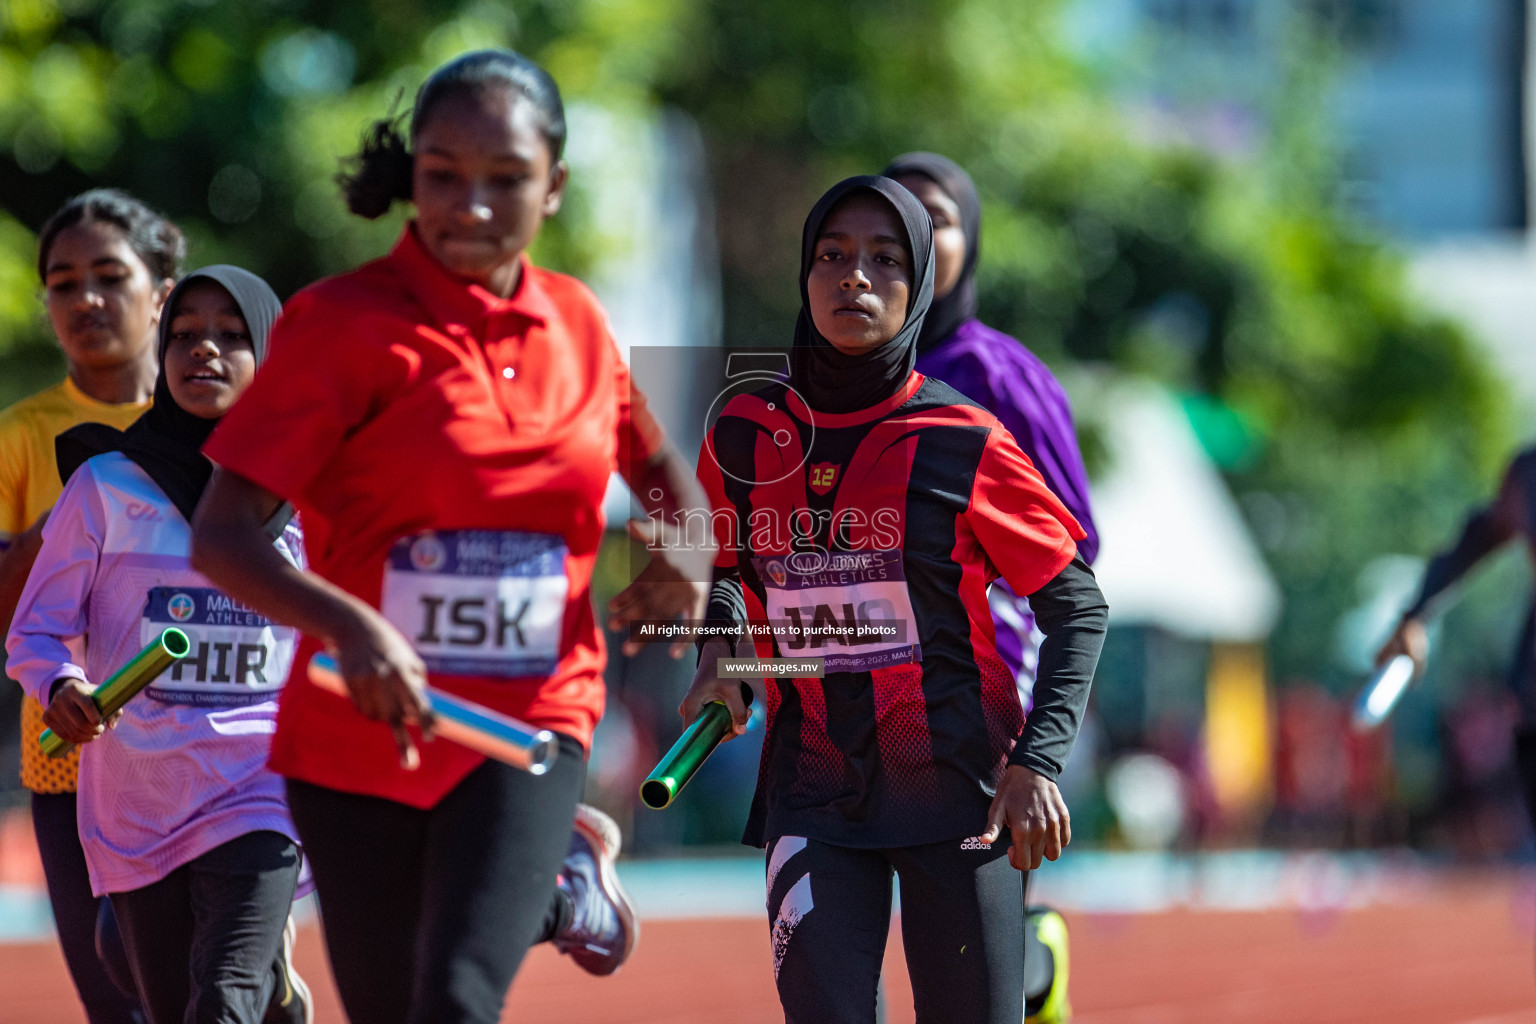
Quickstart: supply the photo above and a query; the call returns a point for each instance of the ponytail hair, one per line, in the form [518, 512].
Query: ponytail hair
[380, 172]
[152, 236]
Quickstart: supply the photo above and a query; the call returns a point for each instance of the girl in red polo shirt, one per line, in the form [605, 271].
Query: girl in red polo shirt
[446, 420]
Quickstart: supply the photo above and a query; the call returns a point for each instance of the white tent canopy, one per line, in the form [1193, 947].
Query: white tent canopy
[1175, 552]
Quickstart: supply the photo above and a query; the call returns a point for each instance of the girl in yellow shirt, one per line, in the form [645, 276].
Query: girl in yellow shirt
[107, 262]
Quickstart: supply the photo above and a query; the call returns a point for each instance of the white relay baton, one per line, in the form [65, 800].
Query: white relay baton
[1382, 692]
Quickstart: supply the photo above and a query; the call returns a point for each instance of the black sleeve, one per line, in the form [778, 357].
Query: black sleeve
[1485, 530]
[727, 608]
[1072, 613]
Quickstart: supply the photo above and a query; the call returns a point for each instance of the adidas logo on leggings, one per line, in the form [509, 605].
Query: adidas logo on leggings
[973, 843]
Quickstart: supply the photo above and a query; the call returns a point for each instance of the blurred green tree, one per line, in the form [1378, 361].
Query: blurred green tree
[234, 118]
[1350, 422]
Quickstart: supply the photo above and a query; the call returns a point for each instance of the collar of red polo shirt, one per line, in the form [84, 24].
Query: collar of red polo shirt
[452, 299]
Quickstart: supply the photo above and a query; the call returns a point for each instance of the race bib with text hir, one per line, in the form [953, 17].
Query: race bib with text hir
[479, 602]
[851, 608]
[239, 656]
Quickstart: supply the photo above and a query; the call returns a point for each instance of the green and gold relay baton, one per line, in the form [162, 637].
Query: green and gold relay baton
[121, 687]
[690, 751]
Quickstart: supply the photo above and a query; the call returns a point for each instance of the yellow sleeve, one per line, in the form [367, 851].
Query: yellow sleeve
[39, 773]
[14, 445]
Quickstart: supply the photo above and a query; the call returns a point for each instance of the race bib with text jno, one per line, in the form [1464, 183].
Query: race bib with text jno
[479, 602]
[850, 608]
[238, 657]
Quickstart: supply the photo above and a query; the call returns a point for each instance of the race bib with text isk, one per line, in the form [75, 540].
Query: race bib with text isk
[239, 656]
[479, 602]
[849, 607]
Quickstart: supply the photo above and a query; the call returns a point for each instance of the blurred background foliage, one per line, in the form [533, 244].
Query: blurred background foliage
[1349, 422]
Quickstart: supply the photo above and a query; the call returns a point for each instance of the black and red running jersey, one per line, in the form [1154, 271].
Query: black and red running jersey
[875, 534]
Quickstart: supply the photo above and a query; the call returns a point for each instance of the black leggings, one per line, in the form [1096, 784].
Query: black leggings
[75, 909]
[962, 923]
[428, 913]
[203, 940]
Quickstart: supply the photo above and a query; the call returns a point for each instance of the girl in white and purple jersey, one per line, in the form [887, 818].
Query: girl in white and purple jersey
[182, 824]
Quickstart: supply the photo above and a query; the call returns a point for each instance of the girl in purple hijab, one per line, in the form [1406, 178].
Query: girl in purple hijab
[994, 370]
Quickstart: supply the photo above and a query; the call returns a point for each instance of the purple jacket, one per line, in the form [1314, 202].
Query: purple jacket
[1009, 381]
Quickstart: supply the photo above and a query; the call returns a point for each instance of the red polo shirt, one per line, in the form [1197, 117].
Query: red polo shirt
[398, 399]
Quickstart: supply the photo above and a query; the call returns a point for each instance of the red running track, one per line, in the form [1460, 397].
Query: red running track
[1461, 955]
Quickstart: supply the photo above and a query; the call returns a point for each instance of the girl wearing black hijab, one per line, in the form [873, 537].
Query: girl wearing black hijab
[166, 441]
[873, 507]
[183, 825]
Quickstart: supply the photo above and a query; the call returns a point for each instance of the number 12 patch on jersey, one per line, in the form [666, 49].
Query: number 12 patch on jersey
[479, 602]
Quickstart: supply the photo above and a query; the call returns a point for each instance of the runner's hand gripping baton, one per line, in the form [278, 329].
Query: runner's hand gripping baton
[1382, 692]
[121, 687]
[497, 736]
[690, 751]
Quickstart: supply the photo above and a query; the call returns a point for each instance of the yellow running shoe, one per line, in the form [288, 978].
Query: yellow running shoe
[1051, 930]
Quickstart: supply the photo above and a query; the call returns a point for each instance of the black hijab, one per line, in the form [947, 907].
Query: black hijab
[165, 442]
[828, 380]
[959, 305]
